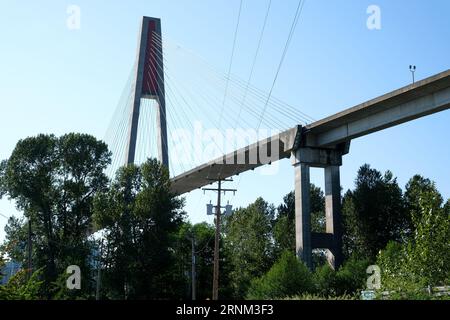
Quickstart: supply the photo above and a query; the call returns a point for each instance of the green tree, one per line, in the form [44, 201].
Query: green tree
[288, 277]
[447, 207]
[248, 244]
[2, 265]
[15, 243]
[393, 263]
[374, 213]
[19, 287]
[325, 280]
[140, 217]
[351, 277]
[348, 280]
[407, 268]
[53, 181]
[427, 252]
[284, 225]
[416, 187]
[203, 235]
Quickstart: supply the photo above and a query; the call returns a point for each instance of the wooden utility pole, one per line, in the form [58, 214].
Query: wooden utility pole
[215, 293]
[29, 249]
[193, 275]
[99, 268]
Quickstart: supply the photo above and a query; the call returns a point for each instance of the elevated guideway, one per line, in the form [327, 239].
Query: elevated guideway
[335, 132]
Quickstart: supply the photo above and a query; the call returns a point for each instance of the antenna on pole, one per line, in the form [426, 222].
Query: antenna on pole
[412, 68]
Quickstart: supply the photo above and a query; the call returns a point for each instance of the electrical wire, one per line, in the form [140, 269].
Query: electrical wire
[286, 47]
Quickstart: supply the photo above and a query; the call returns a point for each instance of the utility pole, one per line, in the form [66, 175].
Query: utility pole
[29, 248]
[215, 293]
[97, 291]
[193, 275]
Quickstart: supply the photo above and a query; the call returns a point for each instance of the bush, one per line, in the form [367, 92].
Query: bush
[19, 288]
[287, 277]
[309, 296]
[393, 263]
[351, 277]
[348, 280]
[325, 280]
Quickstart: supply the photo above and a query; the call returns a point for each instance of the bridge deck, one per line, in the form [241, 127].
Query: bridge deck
[425, 97]
[247, 158]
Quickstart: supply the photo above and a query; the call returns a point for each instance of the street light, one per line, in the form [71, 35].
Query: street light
[412, 68]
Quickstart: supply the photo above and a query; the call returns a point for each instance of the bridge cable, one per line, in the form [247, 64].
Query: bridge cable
[119, 142]
[291, 33]
[169, 77]
[255, 58]
[113, 134]
[175, 119]
[172, 118]
[280, 106]
[188, 105]
[231, 59]
[188, 91]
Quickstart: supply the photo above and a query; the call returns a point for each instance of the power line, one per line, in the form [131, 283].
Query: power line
[288, 41]
[255, 57]
[231, 60]
[1, 214]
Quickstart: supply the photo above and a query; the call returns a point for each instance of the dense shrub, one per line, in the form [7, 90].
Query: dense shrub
[21, 288]
[348, 280]
[287, 277]
[351, 277]
[309, 296]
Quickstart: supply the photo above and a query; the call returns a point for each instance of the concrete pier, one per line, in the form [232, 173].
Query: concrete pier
[330, 160]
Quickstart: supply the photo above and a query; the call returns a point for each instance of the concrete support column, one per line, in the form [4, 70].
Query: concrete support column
[333, 214]
[306, 241]
[303, 214]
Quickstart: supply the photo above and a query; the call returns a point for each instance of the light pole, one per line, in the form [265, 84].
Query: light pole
[412, 68]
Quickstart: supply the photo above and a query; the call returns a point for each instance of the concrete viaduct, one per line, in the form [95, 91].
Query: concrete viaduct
[322, 144]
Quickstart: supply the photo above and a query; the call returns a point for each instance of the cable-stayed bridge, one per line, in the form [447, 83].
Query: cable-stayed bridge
[163, 116]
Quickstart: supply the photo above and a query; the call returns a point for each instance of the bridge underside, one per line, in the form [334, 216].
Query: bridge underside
[322, 144]
[428, 96]
[248, 158]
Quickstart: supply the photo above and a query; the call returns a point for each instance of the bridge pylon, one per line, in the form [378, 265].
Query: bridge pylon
[149, 84]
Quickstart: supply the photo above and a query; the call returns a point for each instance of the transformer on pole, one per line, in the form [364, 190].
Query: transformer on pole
[209, 208]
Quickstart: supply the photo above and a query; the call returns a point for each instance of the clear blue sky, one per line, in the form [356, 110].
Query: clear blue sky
[56, 80]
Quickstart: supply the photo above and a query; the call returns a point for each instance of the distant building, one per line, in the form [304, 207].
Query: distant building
[9, 270]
